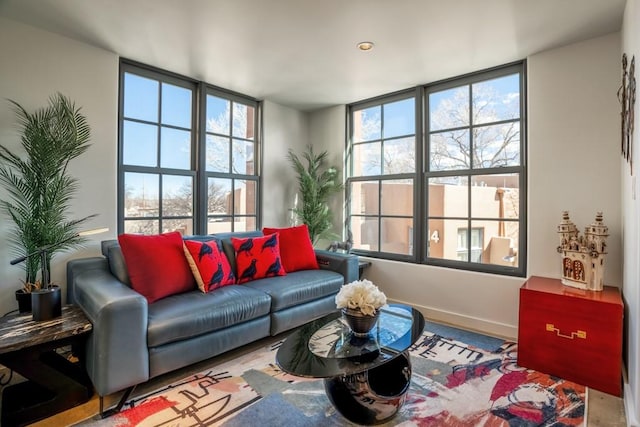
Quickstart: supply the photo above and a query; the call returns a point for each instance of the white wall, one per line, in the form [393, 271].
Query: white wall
[573, 164]
[327, 132]
[34, 65]
[631, 230]
[574, 148]
[283, 128]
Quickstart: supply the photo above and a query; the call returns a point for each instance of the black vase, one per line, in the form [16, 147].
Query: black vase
[24, 301]
[46, 304]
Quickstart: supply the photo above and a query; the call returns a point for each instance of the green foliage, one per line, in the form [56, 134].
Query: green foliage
[316, 183]
[39, 187]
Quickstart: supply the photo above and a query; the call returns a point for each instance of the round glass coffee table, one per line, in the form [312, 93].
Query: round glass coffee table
[365, 378]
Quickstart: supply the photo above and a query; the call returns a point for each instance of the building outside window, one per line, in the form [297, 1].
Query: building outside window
[164, 185]
[462, 185]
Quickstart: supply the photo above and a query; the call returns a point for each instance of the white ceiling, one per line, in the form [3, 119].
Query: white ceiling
[302, 53]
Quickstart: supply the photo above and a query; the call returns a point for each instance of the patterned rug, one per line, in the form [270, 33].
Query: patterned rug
[459, 379]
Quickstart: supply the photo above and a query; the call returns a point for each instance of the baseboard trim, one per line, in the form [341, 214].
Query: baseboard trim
[488, 327]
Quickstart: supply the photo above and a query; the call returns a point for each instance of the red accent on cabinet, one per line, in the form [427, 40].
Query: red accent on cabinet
[572, 333]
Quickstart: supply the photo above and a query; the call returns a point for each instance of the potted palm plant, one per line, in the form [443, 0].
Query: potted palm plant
[39, 188]
[316, 183]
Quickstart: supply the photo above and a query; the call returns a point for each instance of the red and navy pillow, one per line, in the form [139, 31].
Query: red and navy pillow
[257, 257]
[209, 264]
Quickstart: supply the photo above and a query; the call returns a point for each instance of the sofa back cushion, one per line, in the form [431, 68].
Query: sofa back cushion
[112, 251]
[156, 264]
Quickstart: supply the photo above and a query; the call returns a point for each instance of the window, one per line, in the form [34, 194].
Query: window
[164, 185]
[459, 188]
[383, 175]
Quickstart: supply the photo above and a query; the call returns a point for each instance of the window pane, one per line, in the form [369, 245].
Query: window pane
[496, 100]
[500, 245]
[141, 194]
[244, 197]
[365, 233]
[243, 116]
[366, 159]
[495, 196]
[399, 118]
[444, 242]
[218, 115]
[140, 98]
[142, 226]
[175, 149]
[399, 156]
[449, 150]
[367, 124]
[365, 197]
[176, 106]
[182, 225]
[177, 195]
[217, 154]
[243, 157]
[245, 223]
[449, 108]
[496, 146]
[219, 196]
[139, 144]
[397, 197]
[397, 235]
[448, 196]
[219, 225]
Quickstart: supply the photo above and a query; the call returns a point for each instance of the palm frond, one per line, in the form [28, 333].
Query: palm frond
[316, 184]
[39, 189]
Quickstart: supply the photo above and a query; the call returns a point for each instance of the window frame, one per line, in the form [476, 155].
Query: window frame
[422, 173]
[197, 170]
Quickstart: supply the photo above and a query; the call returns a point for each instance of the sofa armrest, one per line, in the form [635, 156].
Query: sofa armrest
[116, 350]
[345, 264]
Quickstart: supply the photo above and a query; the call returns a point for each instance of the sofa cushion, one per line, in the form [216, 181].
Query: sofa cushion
[257, 257]
[190, 314]
[209, 265]
[298, 287]
[156, 264]
[296, 248]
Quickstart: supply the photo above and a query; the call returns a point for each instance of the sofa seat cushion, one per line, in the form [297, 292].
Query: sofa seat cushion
[195, 313]
[298, 287]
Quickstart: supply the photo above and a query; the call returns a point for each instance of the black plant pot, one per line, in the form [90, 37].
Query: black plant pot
[24, 301]
[46, 304]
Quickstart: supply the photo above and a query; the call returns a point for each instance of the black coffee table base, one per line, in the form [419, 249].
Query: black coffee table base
[373, 396]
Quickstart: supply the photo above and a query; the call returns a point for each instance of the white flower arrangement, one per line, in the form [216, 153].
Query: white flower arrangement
[361, 295]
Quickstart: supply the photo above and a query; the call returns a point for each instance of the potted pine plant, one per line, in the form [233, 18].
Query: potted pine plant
[316, 183]
[39, 188]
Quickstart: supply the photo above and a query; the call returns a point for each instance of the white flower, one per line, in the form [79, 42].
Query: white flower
[361, 295]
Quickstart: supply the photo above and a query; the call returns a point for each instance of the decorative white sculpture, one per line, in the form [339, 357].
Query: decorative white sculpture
[583, 256]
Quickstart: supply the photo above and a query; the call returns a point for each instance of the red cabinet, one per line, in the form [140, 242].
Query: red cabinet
[571, 333]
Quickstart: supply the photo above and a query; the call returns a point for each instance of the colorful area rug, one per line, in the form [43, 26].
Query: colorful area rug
[459, 379]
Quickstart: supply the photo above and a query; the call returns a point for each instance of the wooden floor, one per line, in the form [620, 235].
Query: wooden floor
[604, 410]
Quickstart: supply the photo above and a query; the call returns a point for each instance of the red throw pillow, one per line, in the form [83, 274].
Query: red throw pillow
[296, 248]
[156, 264]
[209, 264]
[257, 257]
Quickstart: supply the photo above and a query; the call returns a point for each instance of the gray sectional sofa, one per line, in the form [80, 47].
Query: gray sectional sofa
[133, 341]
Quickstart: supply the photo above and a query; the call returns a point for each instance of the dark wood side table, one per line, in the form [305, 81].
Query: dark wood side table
[572, 333]
[53, 384]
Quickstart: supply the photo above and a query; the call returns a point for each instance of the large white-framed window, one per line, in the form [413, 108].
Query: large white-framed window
[465, 178]
[187, 155]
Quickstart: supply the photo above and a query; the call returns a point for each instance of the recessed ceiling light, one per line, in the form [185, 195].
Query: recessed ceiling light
[365, 46]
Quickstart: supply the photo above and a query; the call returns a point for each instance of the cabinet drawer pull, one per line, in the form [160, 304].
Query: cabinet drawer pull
[576, 334]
